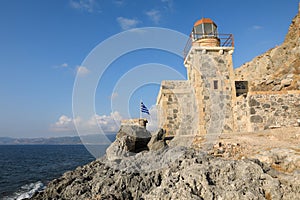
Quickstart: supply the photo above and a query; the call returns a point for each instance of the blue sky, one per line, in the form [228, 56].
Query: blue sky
[44, 43]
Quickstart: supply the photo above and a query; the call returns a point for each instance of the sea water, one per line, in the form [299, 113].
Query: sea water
[25, 169]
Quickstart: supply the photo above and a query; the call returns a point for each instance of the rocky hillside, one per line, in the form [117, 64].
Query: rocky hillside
[278, 68]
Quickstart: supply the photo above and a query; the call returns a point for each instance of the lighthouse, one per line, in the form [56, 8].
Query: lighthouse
[208, 59]
[202, 104]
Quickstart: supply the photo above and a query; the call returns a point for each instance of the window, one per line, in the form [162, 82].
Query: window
[215, 85]
[208, 29]
[241, 87]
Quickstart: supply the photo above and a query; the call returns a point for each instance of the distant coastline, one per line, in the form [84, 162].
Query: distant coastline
[94, 139]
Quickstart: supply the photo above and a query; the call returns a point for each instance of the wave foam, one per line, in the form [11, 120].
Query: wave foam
[26, 191]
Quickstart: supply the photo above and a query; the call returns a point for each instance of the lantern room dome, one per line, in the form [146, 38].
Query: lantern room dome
[205, 33]
[204, 21]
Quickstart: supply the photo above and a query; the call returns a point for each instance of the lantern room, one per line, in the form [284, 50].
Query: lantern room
[205, 33]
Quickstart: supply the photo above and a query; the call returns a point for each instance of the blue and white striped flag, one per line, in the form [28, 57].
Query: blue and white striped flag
[144, 109]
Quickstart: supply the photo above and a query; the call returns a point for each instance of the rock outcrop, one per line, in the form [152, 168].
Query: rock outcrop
[130, 139]
[187, 174]
[157, 140]
[278, 68]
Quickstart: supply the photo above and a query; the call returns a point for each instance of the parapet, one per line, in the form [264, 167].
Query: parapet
[139, 122]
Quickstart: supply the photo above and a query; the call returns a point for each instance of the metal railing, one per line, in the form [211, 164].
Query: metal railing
[226, 40]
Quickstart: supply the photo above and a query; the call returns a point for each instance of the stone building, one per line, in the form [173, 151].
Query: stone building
[212, 100]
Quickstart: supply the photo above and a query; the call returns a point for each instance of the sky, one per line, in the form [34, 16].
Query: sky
[46, 47]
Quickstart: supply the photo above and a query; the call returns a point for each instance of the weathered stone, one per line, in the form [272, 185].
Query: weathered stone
[176, 173]
[290, 76]
[253, 102]
[252, 111]
[256, 119]
[129, 140]
[286, 82]
[157, 140]
[279, 100]
[277, 82]
[287, 160]
[285, 108]
[277, 88]
[268, 82]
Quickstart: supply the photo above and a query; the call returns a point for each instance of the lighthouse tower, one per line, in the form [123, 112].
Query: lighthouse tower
[208, 59]
[201, 107]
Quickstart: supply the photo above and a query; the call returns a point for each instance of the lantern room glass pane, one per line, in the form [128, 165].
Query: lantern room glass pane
[208, 29]
[198, 29]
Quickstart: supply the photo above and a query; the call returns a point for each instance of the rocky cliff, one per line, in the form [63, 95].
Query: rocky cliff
[278, 68]
[162, 172]
[194, 175]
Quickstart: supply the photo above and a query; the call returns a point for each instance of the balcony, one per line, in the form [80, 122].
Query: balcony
[226, 40]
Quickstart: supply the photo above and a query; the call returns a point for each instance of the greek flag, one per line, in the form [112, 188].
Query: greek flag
[144, 109]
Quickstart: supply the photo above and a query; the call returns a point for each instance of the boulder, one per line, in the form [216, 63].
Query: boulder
[268, 82]
[130, 139]
[286, 160]
[290, 76]
[286, 82]
[157, 140]
[277, 88]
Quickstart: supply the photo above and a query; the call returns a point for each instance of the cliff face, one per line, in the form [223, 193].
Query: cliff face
[278, 68]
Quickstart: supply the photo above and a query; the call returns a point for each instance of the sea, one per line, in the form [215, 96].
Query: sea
[25, 169]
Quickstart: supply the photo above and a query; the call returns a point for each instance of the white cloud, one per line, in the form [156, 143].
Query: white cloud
[108, 123]
[257, 27]
[64, 65]
[153, 119]
[82, 71]
[64, 124]
[85, 5]
[126, 23]
[154, 15]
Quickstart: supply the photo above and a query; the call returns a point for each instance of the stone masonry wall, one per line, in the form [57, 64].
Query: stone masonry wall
[210, 73]
[176, 107]
[241, 115]
[266, 110]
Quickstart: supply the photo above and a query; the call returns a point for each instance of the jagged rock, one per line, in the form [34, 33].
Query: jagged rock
[290, 76]
[157, 140]
[130, 139]
[286, 160]
[277, 88]
[269, 82]
[277, 81]
[190, 175]
[286, 82]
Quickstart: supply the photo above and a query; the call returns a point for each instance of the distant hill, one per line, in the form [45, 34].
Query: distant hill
[75, 140]
[277, 69]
